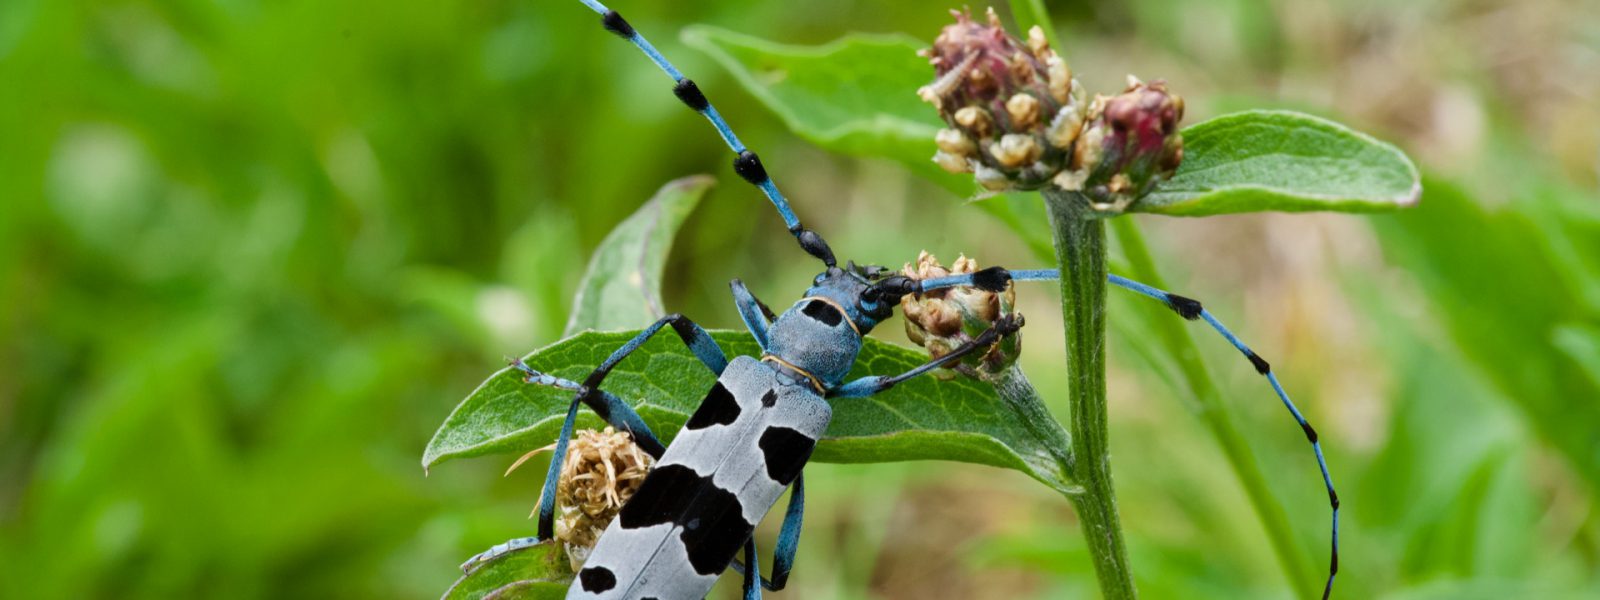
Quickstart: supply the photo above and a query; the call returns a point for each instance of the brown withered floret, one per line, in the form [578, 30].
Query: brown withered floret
[1012, 106]
[942, 320]
[1130, 144]
[1017, 120]
[602, 471]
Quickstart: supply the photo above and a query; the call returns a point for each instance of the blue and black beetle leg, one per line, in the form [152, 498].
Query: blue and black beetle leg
[698, 341]
[752, 575]
[789, 536]
[547, 496]
[609, 407]
[996, 278]
[510, 545]
[614, 411]
[757, 317]
[872, 384]
[788, 541]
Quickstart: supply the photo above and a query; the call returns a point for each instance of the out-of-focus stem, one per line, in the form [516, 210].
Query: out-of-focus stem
[1174, 336]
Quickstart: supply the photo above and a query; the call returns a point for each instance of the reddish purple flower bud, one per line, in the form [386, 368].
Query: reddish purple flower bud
[1012, 106]
[1017, 119]
[1131, 143]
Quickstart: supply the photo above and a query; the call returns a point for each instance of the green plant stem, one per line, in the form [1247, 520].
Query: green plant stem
[1175, 338]
[1080, 243]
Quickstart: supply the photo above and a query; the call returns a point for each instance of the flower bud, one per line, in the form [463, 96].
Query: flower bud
[1130, 142]
[1014, 100]
[1015, 150]
[954, 142]
[1023, 110]
[942, 320]
[602, 471]
[1018, 120]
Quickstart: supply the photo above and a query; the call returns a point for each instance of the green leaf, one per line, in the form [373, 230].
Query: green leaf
[1581, 343]
[922, 419]
[1493, 278]
[529, 590]
[621, 288]
[1168, 346]
[538, 572]
[1262, 160]
[857, 95]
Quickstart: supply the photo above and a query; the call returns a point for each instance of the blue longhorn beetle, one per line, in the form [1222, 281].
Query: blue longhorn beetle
[753, 433]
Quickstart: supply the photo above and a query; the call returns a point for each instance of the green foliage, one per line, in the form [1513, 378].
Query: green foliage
[1279, 160]
[1242, 162]
[858, 95]
[537, 572]
[250, 253]
[921, 419]
[1534, 326]
[622, 286]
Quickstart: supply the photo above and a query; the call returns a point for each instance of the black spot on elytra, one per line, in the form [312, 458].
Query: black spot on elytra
[597, 579]
[770, 398]
[823, 312]
[719, 408]
[786, 452]
[676, 494]
[664, 495]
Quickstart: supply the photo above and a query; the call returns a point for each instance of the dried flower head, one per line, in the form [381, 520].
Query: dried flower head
[1018, 120]
[942, 320]
[602, 471]
[1130, 144]
[1012, 106]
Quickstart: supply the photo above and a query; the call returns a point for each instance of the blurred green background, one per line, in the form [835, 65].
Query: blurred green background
[252, 253]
